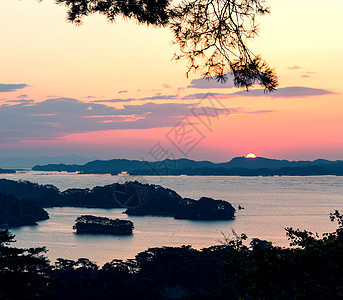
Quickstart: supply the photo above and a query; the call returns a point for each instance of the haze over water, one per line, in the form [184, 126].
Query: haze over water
[271, 204]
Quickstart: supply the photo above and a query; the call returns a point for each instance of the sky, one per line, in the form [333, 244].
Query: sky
[113, 91]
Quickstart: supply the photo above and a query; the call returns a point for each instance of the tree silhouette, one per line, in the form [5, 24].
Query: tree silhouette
[313, 269]
[23, 272]
[212, 34]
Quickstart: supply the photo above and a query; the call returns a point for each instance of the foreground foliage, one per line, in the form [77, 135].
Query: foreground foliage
[212, 35]
[311, 269]
[23, 272]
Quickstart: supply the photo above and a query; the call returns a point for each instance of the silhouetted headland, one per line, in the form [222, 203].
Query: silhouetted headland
[16, 212]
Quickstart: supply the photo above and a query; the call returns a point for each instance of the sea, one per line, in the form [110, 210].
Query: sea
[270, 204]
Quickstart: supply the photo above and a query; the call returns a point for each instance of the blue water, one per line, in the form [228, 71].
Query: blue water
[271, 204]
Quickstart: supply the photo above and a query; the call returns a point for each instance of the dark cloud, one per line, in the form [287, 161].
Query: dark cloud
[211, 83]
[21, 101]
[160, 97]
[294, 68]
[11, 87]
[261, 112]
[287, 92]
[304, 74]
[22, 96]
[55, 118]
[18, 102]
[199, 96]
[307, 74]
[113, 100]
[155, 97]
[122, 92]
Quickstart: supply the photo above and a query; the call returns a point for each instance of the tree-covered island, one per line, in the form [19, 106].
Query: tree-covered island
[93, 224]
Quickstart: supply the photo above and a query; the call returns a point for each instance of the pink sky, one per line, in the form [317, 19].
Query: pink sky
[111, 90]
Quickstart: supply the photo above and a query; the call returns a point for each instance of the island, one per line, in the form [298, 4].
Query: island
[137, 198]
[204, 209]
[165, 202]
[93, 224]
[15, 212]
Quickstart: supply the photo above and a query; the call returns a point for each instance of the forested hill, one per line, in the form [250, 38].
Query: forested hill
[19, 212]
[237, 166]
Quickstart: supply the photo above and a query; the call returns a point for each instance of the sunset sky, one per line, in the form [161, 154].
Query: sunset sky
[113, 91]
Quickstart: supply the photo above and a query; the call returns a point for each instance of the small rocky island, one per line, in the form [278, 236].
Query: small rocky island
[92, 224]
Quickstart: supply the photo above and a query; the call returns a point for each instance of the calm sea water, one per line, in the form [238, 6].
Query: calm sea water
[271, 204]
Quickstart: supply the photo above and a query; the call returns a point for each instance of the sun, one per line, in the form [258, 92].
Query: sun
[250, 155]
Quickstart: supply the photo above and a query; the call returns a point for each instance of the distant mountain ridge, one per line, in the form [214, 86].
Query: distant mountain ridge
[236, 166]
[7, 171]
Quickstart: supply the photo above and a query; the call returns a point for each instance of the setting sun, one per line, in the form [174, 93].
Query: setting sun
[250, 155]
